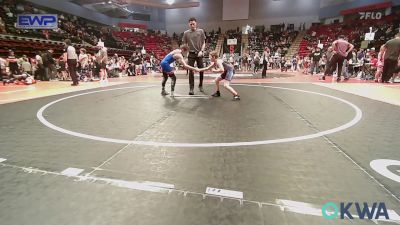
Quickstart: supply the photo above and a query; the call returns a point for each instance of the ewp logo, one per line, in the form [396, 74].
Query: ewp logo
[37, 21]
[377, 211]
[370, 15]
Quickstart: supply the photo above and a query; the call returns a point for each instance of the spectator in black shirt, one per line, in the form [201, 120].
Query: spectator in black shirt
[131, 70]
[48, 63]
[12, 63]
[315, 57]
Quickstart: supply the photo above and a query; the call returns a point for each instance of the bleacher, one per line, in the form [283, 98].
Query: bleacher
[354, 30]
[273, 40]
[81, 32]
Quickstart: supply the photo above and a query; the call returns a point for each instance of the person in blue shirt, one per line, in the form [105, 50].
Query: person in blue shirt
[168, 71]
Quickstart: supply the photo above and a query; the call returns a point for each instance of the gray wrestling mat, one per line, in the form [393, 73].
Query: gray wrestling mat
[126, 155]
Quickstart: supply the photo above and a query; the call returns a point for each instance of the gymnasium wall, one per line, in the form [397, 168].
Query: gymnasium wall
[261, 12]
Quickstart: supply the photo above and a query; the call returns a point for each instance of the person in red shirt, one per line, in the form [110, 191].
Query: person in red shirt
[341, 50]
[378, 63]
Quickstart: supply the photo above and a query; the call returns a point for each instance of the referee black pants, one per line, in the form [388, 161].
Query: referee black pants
[192, 58]
[72, 70]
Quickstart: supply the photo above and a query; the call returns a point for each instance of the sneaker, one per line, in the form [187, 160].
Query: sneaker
[236, 98]
[346, 79]
[74, 84]
[191, 92]
[201, 89]
[338, 79]
[172, 94]
[322, 78]
[216, 94]
[164, 93]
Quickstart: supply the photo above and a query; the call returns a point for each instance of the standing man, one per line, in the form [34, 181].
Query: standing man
[38, 74]
[102, 59]
[390, 66]
[315, 56]
[341, 49]
[195, 39]
[265, 60]
[48, 63]
[72, 59]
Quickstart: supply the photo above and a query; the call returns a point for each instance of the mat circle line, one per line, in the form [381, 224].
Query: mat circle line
[355, 120]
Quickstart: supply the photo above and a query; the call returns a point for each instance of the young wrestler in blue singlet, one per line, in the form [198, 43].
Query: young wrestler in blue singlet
[167, 70]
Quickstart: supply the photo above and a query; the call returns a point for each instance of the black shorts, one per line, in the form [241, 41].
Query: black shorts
[103, 65]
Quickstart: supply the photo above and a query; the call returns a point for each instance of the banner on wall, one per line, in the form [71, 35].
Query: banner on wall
[37, 21]
[232, 41]
[369, 36]
[370, 15]
[379, 7]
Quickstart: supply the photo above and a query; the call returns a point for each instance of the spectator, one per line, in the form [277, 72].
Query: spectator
[392, 50]
[83, 64]
[3, 75]
[256, 62]
[62, 73]
[102, 59]
[48, 64]
[13, 63]
[26, 66]
[2, 26]
[380, 64]
[315, 58]
[341, 49]
[265, 59]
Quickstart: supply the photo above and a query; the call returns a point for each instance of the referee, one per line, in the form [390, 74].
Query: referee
[72, 59]
[195, 39]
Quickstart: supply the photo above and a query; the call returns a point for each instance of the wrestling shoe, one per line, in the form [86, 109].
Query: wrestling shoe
[164, 93]
[216, 94]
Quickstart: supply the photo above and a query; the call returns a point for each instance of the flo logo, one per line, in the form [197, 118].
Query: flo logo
[376, 211]
[370, 15]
